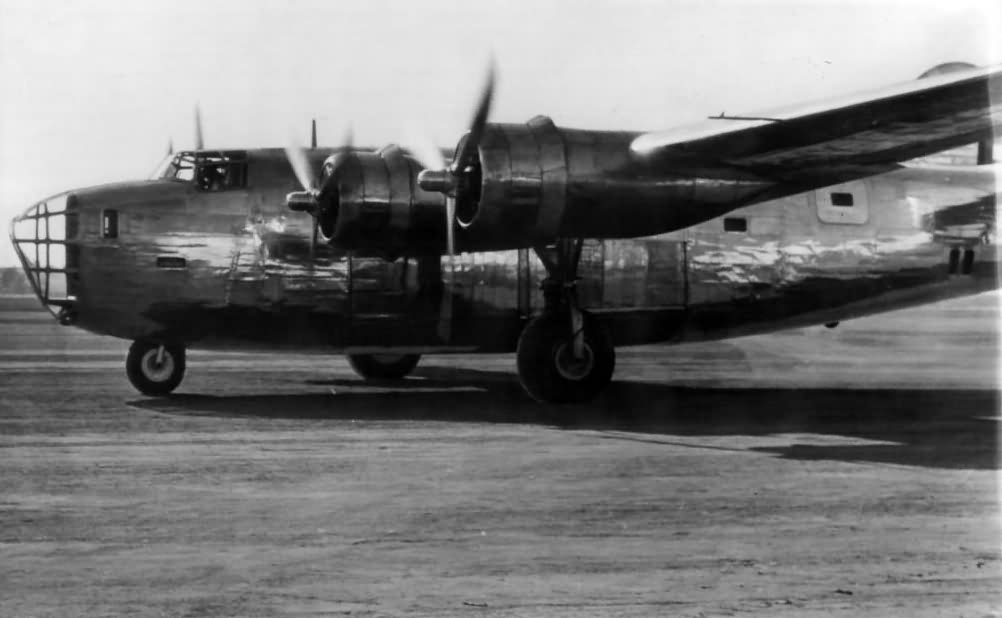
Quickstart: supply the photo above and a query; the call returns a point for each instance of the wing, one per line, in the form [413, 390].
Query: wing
[835, 140]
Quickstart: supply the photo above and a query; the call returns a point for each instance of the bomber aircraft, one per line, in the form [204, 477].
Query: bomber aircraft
[556, 244]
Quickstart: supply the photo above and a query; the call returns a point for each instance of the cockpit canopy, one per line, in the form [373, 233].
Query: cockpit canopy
[218, 170]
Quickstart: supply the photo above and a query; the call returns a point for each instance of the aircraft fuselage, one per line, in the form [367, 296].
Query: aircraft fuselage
[233, 269]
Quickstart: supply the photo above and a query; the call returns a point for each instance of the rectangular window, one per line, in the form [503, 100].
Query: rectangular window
[109, 223]
[844, 204]
[171, 262]
[842, 199]
[735, 224]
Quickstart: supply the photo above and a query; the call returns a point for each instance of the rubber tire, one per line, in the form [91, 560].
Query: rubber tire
[383, 366]
[150, 385]
[536, 356]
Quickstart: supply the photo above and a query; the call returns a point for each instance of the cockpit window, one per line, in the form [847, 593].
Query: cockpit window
[209, 171]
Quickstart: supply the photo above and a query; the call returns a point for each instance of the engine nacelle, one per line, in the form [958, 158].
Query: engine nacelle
[536, 182]
[374, 204]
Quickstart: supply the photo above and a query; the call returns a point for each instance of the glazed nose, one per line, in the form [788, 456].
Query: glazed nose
[45, 241]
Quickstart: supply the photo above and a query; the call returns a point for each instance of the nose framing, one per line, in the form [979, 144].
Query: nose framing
[44, 237]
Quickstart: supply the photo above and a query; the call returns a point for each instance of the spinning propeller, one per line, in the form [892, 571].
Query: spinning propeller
[199, 142]
[312, 199]
[307, 200]
[459, 180]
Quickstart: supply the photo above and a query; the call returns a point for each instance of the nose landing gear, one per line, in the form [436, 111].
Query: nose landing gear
[564, 355]
[153, 368]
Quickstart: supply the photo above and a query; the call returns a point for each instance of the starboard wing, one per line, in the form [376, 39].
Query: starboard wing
[818, 143]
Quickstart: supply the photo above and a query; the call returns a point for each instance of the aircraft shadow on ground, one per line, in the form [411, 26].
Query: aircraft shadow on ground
[954, 429]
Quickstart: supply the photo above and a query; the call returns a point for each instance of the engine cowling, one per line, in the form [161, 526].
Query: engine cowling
[373, 203]
[535, 182]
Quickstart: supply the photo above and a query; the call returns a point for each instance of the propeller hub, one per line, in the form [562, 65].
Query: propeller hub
[442, 181]
[302, 201]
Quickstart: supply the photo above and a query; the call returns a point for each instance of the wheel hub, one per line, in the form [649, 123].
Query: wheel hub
[571, 367]
[157, 371]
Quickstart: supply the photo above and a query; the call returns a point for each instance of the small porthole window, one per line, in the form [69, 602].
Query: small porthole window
[842, 199]
[109, 223]
[735, 224]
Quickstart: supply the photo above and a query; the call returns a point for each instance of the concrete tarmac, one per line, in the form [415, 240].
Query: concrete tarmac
[813, 472]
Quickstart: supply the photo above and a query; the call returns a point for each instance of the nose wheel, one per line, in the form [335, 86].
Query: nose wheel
[153, 368]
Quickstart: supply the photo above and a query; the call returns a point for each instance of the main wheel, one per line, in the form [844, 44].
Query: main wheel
[547, 367]
[153, 372]
[383, 366]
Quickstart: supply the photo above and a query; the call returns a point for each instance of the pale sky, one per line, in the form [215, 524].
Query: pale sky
[92, 91]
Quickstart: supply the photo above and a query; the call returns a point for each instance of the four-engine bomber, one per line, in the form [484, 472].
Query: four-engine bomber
[556, 244]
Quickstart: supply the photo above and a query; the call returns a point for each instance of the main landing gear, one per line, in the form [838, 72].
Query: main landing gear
[564, 355]
[153, 368]
[383, 366]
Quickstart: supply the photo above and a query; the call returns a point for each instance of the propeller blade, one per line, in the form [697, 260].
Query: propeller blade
[306, 200]
[465, 156]
[348, 139]
[313, 133]
[199, 142]
[447, 180]
[445, 314]
[170, 146]
[313, 243]
[422, 148]
[301, 167]
[450, 219]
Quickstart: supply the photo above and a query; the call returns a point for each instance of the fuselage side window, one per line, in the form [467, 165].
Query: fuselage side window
[843, 199]
[846, 204]
[735, 224]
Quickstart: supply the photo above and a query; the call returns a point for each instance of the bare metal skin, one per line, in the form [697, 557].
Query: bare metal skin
[248, 279]
[567, 242]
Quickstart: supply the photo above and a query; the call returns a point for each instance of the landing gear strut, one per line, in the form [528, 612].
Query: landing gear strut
[564, 355]
[154, 368]
[383, 366]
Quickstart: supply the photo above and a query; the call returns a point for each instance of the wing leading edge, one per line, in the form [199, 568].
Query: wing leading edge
[839, 139]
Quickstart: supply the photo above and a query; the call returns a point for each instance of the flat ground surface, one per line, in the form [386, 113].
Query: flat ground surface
[813, 472]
